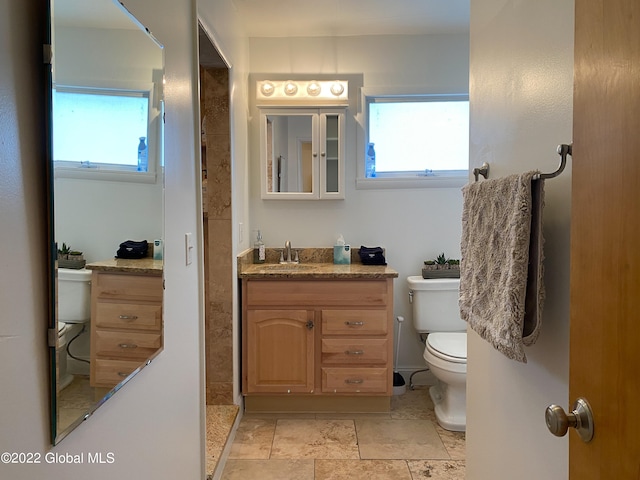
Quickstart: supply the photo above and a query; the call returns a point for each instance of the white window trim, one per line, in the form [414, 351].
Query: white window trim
[441, 179]
[120, 173]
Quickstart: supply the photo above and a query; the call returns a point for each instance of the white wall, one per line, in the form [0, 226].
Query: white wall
[154, 425]
[521, 73]
[412, 224]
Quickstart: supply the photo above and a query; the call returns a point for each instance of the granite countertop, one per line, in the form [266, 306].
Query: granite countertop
[145, 266]
[316, 270]
[314, 263]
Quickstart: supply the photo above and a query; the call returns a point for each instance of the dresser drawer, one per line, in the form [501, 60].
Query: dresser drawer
[354, 322]
[131, 316]
[126, 286]
[354, 351]
[109, 373]
[355, 380]
[126, 345]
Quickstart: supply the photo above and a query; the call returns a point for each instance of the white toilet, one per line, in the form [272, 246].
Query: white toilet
[436, 313]
[74, 311]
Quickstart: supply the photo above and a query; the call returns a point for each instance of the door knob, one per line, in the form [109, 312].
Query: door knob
[580, 418]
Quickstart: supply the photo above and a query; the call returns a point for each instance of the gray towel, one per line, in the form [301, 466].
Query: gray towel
[498, 219]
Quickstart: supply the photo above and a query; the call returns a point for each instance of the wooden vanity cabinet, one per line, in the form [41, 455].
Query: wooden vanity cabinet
[126, 324]
[318, 337]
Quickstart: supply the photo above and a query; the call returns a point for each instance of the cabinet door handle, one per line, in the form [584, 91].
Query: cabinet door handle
[128, 317]
[354, 352]
[128, 345]
[356, 381]
[310, 324]
[354, 324]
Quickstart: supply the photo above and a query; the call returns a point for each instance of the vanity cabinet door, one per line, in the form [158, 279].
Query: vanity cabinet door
[331, 142]
[280, 351]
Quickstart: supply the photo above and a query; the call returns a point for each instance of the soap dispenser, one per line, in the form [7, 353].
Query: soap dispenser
[258, 249]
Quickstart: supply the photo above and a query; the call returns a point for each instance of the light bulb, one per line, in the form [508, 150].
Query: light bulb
[337, 89]
[313, 89]
[290, 88]
[267, 89]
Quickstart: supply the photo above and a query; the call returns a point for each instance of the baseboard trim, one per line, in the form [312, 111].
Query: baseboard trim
[316, 404]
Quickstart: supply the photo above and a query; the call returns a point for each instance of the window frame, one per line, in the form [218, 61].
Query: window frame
[116, 172]
[408, 179]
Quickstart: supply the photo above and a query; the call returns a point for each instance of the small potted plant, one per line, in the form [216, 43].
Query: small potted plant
[68, 258]
[441, 267]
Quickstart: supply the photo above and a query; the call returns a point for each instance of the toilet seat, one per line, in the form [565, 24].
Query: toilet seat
[448, 346]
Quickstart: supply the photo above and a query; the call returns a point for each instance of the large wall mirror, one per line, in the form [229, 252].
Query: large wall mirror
[106, 187]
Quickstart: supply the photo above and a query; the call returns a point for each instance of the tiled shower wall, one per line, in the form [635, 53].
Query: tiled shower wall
[216, 158]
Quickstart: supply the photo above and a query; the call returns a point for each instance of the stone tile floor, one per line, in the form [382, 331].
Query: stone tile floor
[405, 444]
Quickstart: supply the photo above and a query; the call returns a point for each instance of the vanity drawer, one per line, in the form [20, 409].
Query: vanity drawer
[127, 286]
[309, 293]
[123, 344]
[354, 351]
[131, 316]
[354, 322]
[109, 373]
[355, 380]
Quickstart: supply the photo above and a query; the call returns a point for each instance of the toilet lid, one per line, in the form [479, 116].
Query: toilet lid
[451, 345]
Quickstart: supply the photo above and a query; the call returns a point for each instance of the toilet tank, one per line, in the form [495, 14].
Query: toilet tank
[74, 295]
[435, 304]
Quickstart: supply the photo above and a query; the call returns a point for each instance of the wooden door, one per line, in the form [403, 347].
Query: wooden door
[605, 238]
[280, 351]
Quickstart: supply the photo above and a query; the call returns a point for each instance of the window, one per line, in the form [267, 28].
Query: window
[101, 129]
[415, 140]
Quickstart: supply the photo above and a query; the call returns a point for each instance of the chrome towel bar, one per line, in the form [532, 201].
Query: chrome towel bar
[563, 150]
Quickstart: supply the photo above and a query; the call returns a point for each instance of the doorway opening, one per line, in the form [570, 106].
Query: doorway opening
[215, 158]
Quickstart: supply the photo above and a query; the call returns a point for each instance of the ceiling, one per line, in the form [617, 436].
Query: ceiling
[309, 18]
[293, 18]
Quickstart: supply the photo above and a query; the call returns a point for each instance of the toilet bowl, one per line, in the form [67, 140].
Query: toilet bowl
[446, 356]
[66, 333]
[74, 311]
[436, 314]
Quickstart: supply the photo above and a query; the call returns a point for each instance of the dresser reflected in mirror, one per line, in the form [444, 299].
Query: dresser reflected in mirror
[106, 187]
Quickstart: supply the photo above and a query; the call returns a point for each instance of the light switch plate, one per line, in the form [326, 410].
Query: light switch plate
[188, 245]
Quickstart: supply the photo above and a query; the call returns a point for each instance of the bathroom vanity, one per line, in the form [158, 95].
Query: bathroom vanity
[126, 318]
[317, 337]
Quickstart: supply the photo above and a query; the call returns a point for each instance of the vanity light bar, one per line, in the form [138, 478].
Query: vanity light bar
[335, 92]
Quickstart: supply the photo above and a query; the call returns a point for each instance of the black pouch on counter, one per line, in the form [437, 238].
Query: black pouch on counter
[133, 249]
[372, 256]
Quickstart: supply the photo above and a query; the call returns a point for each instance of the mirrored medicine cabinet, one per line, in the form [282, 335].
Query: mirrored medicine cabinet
[302, 139]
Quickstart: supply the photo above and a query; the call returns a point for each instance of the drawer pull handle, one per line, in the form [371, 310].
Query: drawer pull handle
[349, 381]
[123, 374]
[128, 317]
[354, 324]
[128, 345]
[354, 352]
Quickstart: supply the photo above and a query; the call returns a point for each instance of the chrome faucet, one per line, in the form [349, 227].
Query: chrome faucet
[287, 252]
